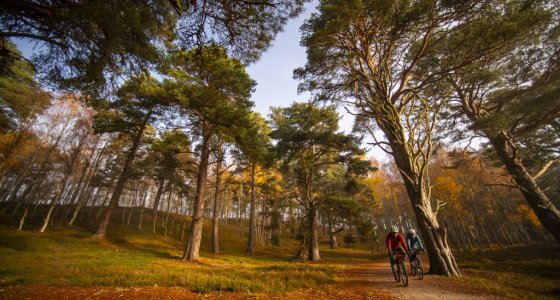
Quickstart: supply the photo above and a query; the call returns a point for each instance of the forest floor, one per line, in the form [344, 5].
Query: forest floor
[66, 263]
[371, 280]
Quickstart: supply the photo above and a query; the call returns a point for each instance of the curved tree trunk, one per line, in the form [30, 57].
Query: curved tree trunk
[442, 261]
[193, 244]
[161, 188]
[119, 187]
[548, 214]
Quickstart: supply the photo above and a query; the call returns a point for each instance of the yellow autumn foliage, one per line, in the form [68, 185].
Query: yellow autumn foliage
[526, 214]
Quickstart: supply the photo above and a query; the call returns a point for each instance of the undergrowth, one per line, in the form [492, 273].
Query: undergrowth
[518, 272]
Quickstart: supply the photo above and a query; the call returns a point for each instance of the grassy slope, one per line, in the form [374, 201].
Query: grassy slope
[519, 272]
[131, 257]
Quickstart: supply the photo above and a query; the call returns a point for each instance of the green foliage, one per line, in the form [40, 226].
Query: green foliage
[139, 101]
[245, 28]
[21, 97]
[309, 145]
[309, 141]
[213, 91]
[84, 43]
[507, 74]
[170, 153]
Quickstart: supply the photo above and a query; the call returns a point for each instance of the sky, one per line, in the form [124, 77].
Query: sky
[274, 73]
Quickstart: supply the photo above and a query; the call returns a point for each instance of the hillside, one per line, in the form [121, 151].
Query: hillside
[68, 262]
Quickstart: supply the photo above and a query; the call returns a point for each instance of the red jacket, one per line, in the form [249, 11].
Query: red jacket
[393, 242]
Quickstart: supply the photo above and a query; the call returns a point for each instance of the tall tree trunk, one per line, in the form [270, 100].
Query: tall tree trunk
[22, 220]
[75, 195]
[54, 202]
[442, 261]
[81, 198]
[239, 202]
[253, 212]
[193, 244]
[105, 198]
[165, 219]
[314, 234]
[146, 192]
[119, 187]
[548, 214]
[73, 159]
[302, 253]
[311, 239]
[216, 210]
[333, 232]
[275, 224]
[161, 188]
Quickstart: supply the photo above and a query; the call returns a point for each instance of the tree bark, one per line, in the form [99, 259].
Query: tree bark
[161, 188]
[145, 198]
[216, 209]
[80, 196]
[333, 232]
[442, 261]
[54, 201]
[548, 214]
[314, 234]
[193, 244]
[311, 240]
[85, 174]
[251, 238]
[119, 187]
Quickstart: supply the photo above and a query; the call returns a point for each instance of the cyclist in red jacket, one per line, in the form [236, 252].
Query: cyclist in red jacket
[395, 243]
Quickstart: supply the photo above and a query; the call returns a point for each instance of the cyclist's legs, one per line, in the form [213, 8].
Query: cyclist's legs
[398, 250]
[412, 257]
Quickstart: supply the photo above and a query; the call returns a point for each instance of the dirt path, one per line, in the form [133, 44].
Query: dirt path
[378, 275]
[362, 281]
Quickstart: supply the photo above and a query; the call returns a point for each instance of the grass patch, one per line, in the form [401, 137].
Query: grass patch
[72, 258]
[520, 272]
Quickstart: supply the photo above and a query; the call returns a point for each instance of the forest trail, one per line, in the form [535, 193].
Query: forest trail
[377, 275]
[372, 280]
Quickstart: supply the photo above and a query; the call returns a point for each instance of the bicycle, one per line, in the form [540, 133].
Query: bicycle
[416, 265]
[400, 272]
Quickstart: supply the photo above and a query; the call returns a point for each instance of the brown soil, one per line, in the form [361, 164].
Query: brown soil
[378, 275]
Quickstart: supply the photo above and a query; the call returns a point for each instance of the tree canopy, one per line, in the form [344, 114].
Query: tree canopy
[85, 43]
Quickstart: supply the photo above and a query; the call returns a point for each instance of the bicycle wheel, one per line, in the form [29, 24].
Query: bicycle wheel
[402, 271]
[395, 272]
[419, 270]
[413, 267]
